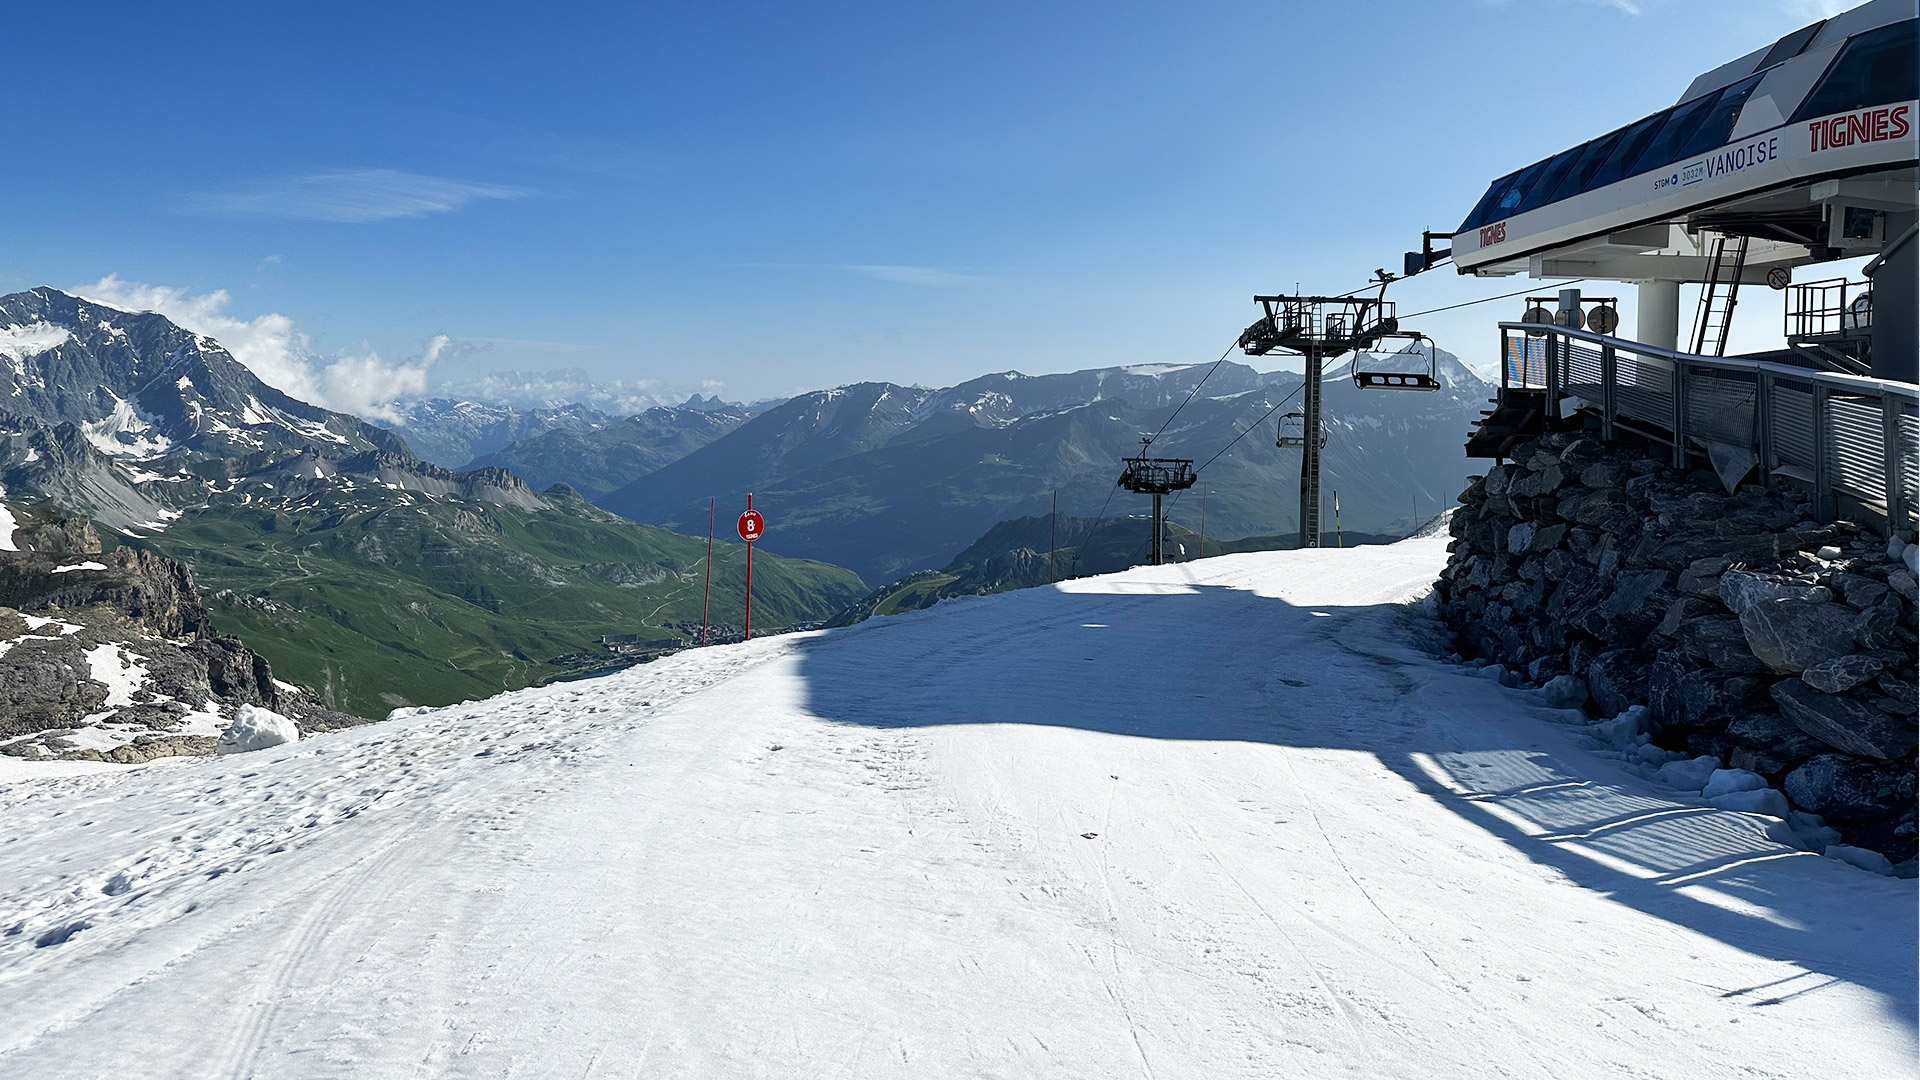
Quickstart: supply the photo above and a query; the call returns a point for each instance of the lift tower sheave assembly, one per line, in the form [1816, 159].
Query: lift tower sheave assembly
[1319, 329]
[1156, 476]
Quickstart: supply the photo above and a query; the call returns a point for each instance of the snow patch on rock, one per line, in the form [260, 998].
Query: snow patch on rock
[117, 670]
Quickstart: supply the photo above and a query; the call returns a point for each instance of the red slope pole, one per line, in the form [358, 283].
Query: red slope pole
[706, 604]
[747, 635]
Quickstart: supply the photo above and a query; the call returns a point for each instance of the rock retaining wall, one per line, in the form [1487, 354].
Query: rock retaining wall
[1758, 640]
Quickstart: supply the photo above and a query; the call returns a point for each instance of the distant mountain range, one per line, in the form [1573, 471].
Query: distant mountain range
[614, 453]
[374, 577]
[890, 479]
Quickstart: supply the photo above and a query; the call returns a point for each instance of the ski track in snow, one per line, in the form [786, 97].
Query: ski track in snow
[1223, 819]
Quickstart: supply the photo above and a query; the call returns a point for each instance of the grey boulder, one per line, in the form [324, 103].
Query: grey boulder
[1846, 789]
[1842, 722]
[1792, 635]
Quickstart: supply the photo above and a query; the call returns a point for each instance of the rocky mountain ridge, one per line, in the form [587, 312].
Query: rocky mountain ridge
[111, 655]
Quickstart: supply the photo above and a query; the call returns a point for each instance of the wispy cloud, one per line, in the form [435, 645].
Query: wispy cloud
[519, 147]
[910, 275]
[278, 352]
[353, 196]
[896, 273]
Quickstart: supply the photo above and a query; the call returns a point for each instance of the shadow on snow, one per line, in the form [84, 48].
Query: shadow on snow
[1205, 662]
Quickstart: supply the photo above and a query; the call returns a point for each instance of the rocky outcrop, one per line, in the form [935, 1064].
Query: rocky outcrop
[110, 656]
[1754, 635]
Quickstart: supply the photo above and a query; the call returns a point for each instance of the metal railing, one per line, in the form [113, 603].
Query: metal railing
[1829, 308]
[1842, 437]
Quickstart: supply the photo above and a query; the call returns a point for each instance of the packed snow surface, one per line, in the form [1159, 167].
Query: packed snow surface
[1215, 820]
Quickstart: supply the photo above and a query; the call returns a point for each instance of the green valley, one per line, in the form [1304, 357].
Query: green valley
[430, 601]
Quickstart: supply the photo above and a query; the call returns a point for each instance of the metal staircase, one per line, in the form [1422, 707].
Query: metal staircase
[1726, 261]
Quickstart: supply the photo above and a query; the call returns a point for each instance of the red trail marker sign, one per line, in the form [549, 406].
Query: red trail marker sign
[751, 526]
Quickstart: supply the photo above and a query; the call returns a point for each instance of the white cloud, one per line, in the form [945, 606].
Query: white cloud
[278, 352]
[354, 196]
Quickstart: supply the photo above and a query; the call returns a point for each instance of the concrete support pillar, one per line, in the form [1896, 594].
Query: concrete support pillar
[1896, 346]
[1659, 304]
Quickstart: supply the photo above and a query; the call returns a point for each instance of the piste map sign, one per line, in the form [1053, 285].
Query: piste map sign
[751, 526]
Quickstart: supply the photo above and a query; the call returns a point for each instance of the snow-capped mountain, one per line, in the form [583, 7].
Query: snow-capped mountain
[1008, 395]
[455, 431]
[129, 417]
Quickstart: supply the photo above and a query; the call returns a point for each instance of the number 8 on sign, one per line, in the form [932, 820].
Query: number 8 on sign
[751, 525]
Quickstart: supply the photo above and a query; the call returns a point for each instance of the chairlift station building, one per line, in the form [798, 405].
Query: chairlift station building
[1799, 153]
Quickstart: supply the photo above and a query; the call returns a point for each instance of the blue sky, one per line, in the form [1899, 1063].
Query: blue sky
[774, 197]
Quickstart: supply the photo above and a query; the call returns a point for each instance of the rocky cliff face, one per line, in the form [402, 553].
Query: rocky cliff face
[1759, 643]
[109, 656]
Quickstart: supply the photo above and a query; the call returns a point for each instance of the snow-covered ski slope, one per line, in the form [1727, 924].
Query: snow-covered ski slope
[1216, 820]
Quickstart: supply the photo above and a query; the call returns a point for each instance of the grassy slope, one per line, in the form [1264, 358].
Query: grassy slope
[913, 596]
[434, 603]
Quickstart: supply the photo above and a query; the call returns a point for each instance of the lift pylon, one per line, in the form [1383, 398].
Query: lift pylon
[1319, 329]
[1154, 476]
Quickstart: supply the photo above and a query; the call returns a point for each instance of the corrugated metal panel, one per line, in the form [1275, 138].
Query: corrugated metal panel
[1909, 444]
[1854, 452]
[1720, 409]
[1792, 427]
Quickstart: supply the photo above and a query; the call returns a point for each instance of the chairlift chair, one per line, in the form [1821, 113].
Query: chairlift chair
[1292, 432]
[1384, 379]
